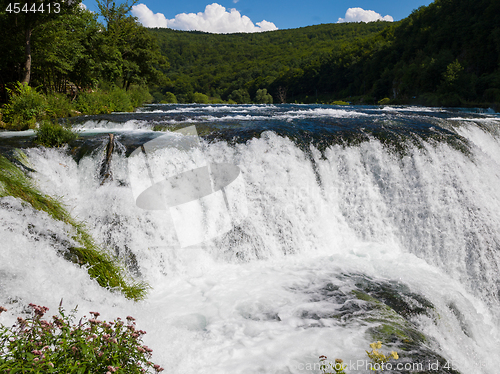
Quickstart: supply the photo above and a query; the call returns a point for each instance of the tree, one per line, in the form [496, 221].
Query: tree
[113, 13]
[241, 96]
[262, 97]
[139, 53]
[27, 17]
[66, 49]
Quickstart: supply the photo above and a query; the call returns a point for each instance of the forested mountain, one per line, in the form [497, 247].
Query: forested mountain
[235, 66]
[447, 53]
[444, 54]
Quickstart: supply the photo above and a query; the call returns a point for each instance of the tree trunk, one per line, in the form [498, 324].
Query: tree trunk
[27, 52]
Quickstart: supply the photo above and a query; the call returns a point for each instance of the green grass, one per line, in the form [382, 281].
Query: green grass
[100, 265]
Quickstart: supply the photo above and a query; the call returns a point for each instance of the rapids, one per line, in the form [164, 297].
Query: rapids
[398, 203]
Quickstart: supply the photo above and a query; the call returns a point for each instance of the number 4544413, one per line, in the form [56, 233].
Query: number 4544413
[33, 8]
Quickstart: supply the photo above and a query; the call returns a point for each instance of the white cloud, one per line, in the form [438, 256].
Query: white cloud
[361, 15]
[82, 5]
[147, 17]
[214, 19]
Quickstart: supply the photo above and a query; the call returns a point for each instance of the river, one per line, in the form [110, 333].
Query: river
[330, 227]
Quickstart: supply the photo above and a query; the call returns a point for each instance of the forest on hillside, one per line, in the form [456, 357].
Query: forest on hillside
[235, 66]
[446, 53]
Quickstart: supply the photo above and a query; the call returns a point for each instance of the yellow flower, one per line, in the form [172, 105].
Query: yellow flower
[394, 355]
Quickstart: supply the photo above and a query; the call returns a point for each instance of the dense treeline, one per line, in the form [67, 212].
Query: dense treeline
[72, 46]
[58, 60]
[61, 48]
[444, 54]
[447, 53]
[235, 66]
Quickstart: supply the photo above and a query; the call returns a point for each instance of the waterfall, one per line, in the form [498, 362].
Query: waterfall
[322, 222]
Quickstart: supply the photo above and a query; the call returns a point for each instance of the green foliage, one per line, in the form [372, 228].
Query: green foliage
[452, 72]
[139, 95]
[425, 58]
[101, 266]
[28, 106]
[200, 98]
[119, 101]
[62, 345]
[240, 96]
[52, 134]
[96, 102]
[262, 97]
[113, 100]
[219, 64]
[384, 101]
[169, 97]
[59, 106]
[340, 102]
[215, 100]
[25, 107]
[72, 52]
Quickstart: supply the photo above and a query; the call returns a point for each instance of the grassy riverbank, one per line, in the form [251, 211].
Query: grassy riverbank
[27, 106]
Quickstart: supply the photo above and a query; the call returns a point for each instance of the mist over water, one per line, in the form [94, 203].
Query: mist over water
[404, 200]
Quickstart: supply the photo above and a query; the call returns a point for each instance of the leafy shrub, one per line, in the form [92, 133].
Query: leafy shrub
[240, 96]
[139, 95]
[59, 105]
[262, 97]
[119, 101]
[25, 107]
[200, 98]
[112, 100]
[215, 100]
[37, 345]
[93, 103]
[168, 98]
[52, 134]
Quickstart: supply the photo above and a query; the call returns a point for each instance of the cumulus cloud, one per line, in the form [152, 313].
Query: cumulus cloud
[215, 19]
[147, 17]
[361, 15]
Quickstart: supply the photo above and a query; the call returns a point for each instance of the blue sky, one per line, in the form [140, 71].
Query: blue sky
[248, 15]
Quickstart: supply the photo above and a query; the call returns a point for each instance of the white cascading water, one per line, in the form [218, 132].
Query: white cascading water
[429, 219]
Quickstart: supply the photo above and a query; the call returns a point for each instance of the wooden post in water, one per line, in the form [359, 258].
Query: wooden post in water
[105, 173]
